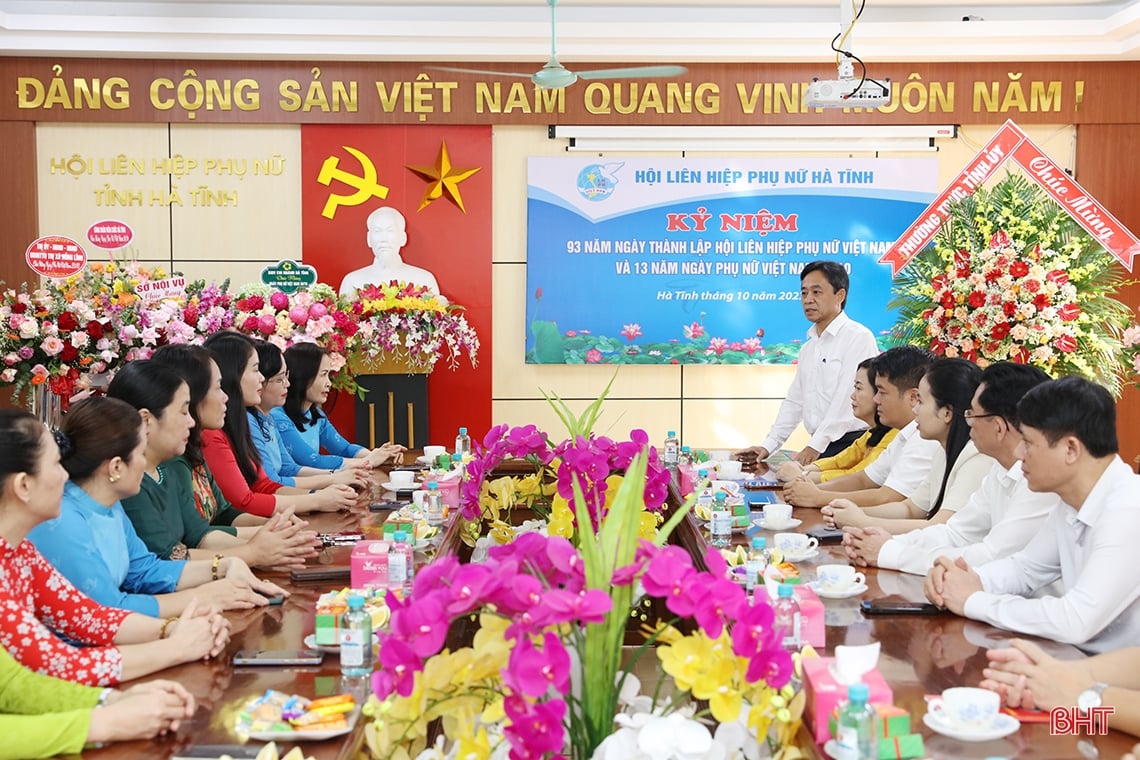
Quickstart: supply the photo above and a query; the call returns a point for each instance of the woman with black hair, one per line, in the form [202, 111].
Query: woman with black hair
[864, 450]
[230, 453]
[275, 458]
[303, 426]
[944, 396]
[93, 543]
[171, 513]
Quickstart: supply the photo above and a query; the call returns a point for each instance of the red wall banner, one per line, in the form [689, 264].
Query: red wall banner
[347, 172]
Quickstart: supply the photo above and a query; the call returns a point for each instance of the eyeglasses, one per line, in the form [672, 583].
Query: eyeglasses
[971, 416]
[278, 379]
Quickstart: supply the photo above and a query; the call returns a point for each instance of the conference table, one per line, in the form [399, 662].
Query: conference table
[921, 655]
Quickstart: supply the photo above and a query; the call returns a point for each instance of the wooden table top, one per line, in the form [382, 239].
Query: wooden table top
[920, 655]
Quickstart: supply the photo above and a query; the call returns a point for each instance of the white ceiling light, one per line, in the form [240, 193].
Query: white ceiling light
[778, 139]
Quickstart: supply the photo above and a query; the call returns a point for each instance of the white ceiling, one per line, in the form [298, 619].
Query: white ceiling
[588, 30]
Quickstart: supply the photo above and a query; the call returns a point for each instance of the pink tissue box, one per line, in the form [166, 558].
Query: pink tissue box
[824, 694]
[370, 564]
[811, 617]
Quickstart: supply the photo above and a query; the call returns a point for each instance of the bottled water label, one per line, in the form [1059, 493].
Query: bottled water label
[352, 648]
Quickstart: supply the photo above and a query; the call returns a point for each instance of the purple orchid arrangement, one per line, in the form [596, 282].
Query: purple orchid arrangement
[548, 600]
[587, 459]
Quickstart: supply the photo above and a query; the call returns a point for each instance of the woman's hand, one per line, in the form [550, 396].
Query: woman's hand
[392, 452]
[335, 498]
[239, 571]
[841, 513]
[141, 712]
[355, 477]
[790, 470]
[230, 594]
[200, 632]
[284, 542]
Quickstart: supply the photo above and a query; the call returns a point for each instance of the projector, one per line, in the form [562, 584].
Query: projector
[847, 93]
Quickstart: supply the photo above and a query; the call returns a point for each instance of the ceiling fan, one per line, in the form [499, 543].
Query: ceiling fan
[555, 76]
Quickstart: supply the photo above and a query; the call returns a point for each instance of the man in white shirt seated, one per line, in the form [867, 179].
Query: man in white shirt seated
[1000, 517]
[825, 371]
[903, 467]
[1088, 541]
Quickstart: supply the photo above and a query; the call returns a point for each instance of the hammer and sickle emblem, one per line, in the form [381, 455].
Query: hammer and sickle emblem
[365, 186]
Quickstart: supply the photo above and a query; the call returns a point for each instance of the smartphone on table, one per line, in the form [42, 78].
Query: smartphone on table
[899, 607]
[826, 535]
[278, 657]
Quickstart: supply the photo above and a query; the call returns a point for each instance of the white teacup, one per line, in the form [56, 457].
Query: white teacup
[431, 452]
[729, 468]
[777, 515]
[838, 578]
[419, 498]
[965, 708]
[402, 478]
[795, 543]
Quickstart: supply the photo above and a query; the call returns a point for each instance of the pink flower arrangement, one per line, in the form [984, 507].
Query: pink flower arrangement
[1011, 277]
[412, 324]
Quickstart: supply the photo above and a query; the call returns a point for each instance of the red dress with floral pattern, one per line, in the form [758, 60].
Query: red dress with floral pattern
[36, 603]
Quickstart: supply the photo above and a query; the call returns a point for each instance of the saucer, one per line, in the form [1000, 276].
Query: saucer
[410, 487]
[792, 523]
[1003, 725]
[831, 747]
[856, 590]
[811, 553]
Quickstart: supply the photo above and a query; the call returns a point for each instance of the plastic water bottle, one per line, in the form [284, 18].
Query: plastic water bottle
[433, 504]
[721, 522]
[787, 616]
[457, 461]
[685, 458]
[356, 639]
[401, 563]
[705, 496]
[757, 563]
[672, 450]
[463, 443]
[855, 729]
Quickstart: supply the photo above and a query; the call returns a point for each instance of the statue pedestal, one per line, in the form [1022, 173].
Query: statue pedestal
[395, 406]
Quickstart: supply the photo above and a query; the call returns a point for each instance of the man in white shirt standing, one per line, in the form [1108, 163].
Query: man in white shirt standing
[905, 463]
[1088, 541]
[825, 371]
[1001, 516]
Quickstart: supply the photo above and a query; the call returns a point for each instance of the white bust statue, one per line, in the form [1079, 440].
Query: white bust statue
[387, 234]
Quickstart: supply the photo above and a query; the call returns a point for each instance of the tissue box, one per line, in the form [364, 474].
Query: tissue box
[370, 564]
[824, 694]
[892, 721]
[811, 617]
[741, 515]
[902, 747]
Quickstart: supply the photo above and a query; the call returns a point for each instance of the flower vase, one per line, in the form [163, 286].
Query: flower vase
[46, 405]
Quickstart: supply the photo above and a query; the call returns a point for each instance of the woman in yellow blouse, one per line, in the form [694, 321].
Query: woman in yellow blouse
[863, 451]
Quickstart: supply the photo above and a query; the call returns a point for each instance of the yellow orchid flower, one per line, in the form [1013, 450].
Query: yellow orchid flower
[477, 747]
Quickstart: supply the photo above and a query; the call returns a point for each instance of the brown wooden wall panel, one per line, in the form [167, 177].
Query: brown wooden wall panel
[416, 92]
[1106, 167]
[18, 224]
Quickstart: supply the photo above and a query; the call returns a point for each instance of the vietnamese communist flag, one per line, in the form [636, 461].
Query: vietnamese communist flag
[439, 179]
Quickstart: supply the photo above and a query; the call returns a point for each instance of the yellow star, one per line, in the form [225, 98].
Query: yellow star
[443, 179]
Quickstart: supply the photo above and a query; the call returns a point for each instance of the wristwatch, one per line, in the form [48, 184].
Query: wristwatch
[1090, 697]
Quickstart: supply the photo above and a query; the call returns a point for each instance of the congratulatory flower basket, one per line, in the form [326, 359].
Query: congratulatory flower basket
[1011, 276]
